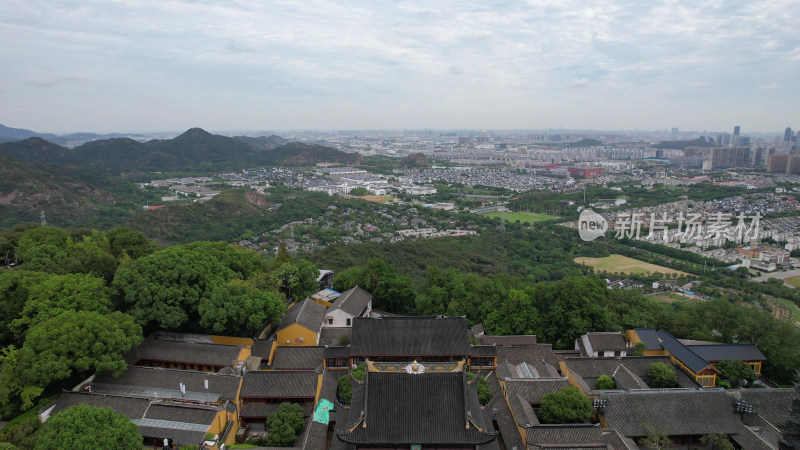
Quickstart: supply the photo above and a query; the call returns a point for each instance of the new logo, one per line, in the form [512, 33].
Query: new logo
[591, 225]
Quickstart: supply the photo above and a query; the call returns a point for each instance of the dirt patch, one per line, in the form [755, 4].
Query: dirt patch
[256, 199]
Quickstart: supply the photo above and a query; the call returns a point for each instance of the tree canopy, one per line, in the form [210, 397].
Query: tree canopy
[238, 309]
[736, 370]
[566, 405]
[284, 425]
[662, 375]
[85, 426]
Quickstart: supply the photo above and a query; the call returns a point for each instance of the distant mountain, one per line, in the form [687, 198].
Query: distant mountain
[68, 194]
[263, 142]
[15, 134]
[194, 150]
[681, 145]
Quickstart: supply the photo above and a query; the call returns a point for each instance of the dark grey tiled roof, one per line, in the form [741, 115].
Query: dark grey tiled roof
[332, 336]
[226, 386]
[337, 352]
[533, 389]
[298, 357]
[625, 379]
[565, 436]
[750, 440]
[774, 405]
[185, 414]
[607, 342]
[525, 339]
[532, 354]
[280, 384]
[133, 408]
[308, 314]
[353, 301]
[398, 336]
[616, 441]
[523, 412]
[483, 350]
[501, 413]
[251, 410]
[682, 412]
[185, 352]
[649, 337]
[718, 352]
[689, 358]
[403, 409]
[261, 348]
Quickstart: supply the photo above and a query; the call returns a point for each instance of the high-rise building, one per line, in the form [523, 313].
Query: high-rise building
[758, 157]
[787, 135]
[736, 130]
[793, 164]
[777, 162]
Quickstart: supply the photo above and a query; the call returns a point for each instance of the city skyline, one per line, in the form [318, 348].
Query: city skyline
[136, 66]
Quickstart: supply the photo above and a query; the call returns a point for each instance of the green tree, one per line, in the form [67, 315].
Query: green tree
[237, 309]
[15, 286]
[165, 288]
[572, 309]
[639, 348]
[85, 426]
[484, 393]
[344, 388]
[735, 370]
[359, 191]
[657, 438]
[566, 405]
[390, 292]
[59, 293]
[39, 236]
[718, 441]
[73, 341]
[662, 375]
[122, 240]
[516, 315]
[605, 382]
[284, 425]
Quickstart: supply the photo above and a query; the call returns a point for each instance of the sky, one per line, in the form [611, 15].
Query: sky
[127, 66]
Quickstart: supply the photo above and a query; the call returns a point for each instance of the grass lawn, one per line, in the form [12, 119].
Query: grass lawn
[669, 298]
[377, 198]
[623, 264]
[522, 216]
[788, 311]
[794, 281]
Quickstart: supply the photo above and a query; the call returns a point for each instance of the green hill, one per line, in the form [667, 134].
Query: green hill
[681, 145]
[69, 195]
[585, 143]
[263, 142]
[195, 150]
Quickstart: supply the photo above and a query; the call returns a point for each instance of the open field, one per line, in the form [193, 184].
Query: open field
[793, 281]
[670, 297]
[784, 310]
[522, 216]
[623, 264]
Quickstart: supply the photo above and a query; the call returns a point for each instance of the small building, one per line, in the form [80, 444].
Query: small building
[352, 303]
[204, 357]
[326, 297]
[601, 344]
[301, 325]
[182, 424]
[263, 390]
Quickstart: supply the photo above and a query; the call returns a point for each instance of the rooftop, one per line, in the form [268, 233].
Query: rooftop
[410, 336]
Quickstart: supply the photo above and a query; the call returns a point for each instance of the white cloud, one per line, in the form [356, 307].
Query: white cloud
[453, 59]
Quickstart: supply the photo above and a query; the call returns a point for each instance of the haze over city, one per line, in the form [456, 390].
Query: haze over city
[143, 66]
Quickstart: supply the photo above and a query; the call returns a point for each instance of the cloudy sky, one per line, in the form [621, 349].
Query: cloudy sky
[127, 65]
